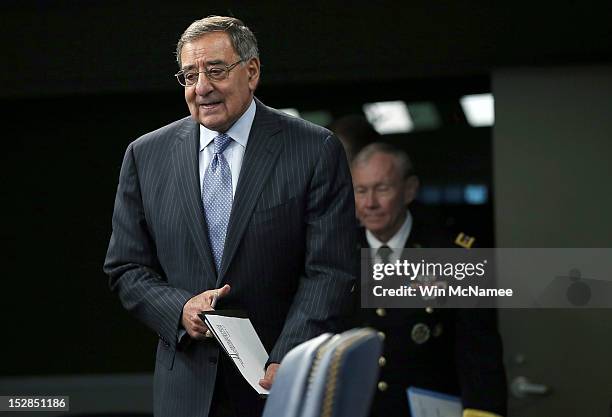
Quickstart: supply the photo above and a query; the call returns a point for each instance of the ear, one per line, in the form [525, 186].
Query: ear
[253, 72]
[411, 188]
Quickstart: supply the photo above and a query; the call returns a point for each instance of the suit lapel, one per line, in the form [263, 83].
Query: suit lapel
[185, 165]
[259, 157]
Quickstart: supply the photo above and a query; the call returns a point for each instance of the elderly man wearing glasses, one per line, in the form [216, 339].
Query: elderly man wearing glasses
[238, 205]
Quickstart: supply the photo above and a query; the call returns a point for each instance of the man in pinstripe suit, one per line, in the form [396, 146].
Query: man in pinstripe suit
[286, 254]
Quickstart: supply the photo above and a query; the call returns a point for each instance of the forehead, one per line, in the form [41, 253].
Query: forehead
[381, 167]
[213, 46]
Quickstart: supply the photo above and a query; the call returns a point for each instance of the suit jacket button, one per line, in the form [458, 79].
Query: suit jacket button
[381, 312]
[382, 386]
[382, 361]
[212, 360]
[429, 309]
[382, 335]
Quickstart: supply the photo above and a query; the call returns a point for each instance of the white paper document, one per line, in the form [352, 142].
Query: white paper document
[426, 403]
[236, 335]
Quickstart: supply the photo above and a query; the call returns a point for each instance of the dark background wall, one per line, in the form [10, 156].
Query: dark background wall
[70, 46]
[81, 79]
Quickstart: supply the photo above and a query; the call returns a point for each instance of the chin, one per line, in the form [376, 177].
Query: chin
[211, 124]
[374, 228]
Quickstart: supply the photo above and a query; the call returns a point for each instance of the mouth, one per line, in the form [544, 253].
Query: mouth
[209, 105]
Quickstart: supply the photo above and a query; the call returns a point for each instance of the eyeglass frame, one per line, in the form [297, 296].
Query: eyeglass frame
[228, 68]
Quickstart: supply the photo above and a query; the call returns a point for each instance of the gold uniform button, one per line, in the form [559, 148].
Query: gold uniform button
[382, 335]
[420, 333]
[381, 312]
[382, 386]
[429, 309]
[382, 361]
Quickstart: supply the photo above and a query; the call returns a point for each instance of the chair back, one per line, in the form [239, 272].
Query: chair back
[291, 381]
[328, 376]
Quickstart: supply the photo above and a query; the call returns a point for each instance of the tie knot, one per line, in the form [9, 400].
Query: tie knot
[221, 142]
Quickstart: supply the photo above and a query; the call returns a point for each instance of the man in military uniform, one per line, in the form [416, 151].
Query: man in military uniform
[452, 351]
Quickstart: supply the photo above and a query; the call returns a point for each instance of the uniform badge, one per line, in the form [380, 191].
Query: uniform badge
[464, 240]
[420, 333]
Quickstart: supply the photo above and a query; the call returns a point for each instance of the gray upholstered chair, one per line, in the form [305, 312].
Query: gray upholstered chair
[328, 376]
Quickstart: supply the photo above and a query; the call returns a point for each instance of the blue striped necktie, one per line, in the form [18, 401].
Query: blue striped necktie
[217, 197]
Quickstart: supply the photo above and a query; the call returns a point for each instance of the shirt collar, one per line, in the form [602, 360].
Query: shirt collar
[399, 238]
[239, 131]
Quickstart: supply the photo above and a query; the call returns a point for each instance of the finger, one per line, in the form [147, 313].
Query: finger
[223, 291]
[196, 320]
[265, 383]
[198, 336]
[218, 293]
[195, 333]
[199, 330]
[271, 372]
[268, 379]
[194, 324]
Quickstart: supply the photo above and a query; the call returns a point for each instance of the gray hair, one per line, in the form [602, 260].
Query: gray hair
[402, 160]
[243, 40]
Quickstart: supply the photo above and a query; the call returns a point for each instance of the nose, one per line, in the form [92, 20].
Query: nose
[370, 200]
[203, 86]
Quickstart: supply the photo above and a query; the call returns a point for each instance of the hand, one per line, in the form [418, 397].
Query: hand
[268, 378]
[201, 302]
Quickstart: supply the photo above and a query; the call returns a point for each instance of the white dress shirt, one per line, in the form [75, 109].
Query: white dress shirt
[396, 243]
[234, 152]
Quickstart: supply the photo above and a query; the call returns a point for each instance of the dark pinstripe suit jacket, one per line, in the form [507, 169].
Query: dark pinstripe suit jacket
[288, 253]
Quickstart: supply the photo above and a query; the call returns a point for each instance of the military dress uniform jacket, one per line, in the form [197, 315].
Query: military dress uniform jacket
[454, 351]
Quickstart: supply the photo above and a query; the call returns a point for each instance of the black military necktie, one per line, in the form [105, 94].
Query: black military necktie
[384, 253]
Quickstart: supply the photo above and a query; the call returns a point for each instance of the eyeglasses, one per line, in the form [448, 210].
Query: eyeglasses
[218, 72]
